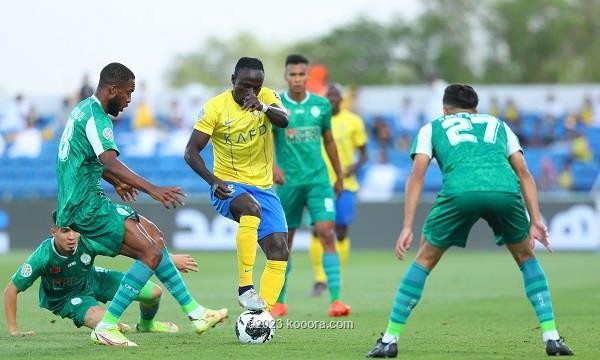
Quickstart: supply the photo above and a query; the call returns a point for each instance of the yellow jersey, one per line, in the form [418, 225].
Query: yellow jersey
[242, 140]
[349, 134]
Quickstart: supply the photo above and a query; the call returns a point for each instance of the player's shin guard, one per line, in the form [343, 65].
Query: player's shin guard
[246, 240]
[343, 249]
[282, 293]
[536, 289]
[315, 250]
[148, 304]
[168, 274]
[272, 281]
[131, 285]
[408, 295]
[331, 264]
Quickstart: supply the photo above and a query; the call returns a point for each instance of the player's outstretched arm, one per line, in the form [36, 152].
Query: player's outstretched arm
[169, 196]
[184, 263]
[196, 143]
[538, 231]
[412, 194]
[10, 311]
[332, 154]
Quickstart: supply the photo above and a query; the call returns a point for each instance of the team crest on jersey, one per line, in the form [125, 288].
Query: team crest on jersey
[76, 301]
[85, 259]
[107, 133]
[26, 270]
[315, 111]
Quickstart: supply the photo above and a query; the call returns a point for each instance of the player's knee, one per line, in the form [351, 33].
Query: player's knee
[327, 236]
[278, 251]
[252, 209]
[151, 257]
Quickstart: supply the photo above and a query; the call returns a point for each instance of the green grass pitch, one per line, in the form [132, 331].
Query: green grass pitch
[473, 307]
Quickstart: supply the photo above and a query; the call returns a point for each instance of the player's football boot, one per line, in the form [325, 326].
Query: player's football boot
[110, 336]
[279, 310]
[318, 289]
[383, 350]
[158, 327]
[250, 300]
[338, 308]
[209, 319]
[558, 348]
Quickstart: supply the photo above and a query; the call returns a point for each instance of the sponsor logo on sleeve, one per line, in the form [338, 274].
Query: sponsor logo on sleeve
[76, 301]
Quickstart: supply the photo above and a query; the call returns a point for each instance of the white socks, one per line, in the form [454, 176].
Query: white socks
[550, 335]
[388, 338]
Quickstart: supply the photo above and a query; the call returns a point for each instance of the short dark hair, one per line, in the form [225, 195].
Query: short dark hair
[248, 63]
[53, 217]
[460, 96]
[296, 59]
[115, 74]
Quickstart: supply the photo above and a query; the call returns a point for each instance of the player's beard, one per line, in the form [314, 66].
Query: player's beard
[113, 107]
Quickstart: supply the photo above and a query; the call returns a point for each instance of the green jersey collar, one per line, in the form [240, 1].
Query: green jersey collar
[288, 98]
[93, 97]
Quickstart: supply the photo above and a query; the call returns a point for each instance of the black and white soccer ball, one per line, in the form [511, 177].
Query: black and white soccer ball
[255, 327]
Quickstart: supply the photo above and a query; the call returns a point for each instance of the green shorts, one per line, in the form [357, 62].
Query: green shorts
[318, 198]
[103, 222]
[101, 286]
[452, 217]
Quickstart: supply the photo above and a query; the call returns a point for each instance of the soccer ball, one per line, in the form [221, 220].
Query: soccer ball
[255, 327]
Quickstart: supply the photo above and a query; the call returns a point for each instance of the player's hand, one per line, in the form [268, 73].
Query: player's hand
[21, 333]
[169, 196]
[403, 243]
[278, 176]
[184, 263]
[251, 103]
[221, 190]
[338, 186]
[538, 231]
[126, 192]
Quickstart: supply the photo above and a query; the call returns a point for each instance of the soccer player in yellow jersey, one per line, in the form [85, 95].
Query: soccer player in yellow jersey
[350, 137]
[239, 122]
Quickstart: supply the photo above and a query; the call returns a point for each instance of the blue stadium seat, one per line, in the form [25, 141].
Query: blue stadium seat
[584, 175]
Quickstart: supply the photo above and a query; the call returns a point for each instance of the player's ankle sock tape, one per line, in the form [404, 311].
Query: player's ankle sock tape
[246, 239]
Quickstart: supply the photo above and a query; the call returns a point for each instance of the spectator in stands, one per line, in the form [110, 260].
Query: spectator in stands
[580, 148]
[565, 178]
[512, 116]
[86, 90]
[586, 115]
[408, 119]
[433, 100]
[547, 180]
[382, 133]
[28, 142]
[178, 136]
[404, 141]
[494, 109]
[145, 127]
[15, 115]
[552, 111]
[380, 179]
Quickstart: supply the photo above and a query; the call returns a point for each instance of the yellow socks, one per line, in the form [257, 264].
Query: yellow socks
[343, 249]
[246, 239]
[315, 250]
[271, 281]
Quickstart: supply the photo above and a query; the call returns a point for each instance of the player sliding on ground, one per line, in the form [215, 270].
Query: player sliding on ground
[71, 286]
[484, 175]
